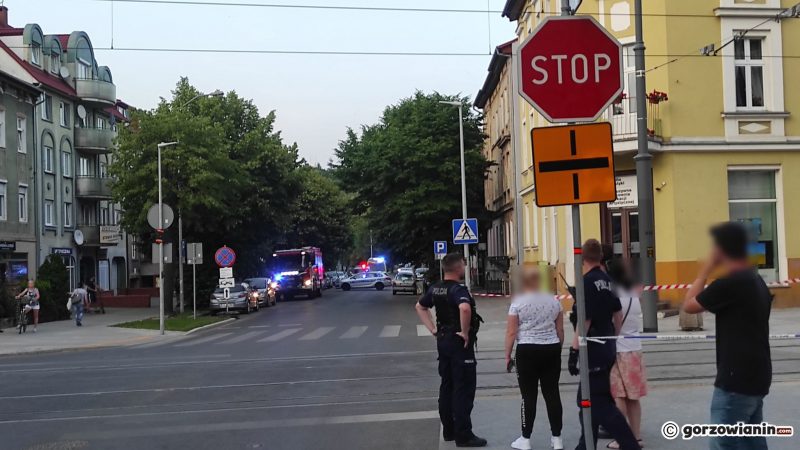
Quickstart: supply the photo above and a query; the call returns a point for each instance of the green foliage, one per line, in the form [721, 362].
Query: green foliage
[321, 216]
[53, 285]
[233, 179]
[405, 173]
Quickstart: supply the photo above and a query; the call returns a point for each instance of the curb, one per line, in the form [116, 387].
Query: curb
[211, 325]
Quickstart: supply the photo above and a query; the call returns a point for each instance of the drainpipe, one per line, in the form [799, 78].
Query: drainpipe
[38, 233]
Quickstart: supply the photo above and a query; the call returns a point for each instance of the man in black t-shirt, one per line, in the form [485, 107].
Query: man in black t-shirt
[456, 330]
[603, 318]
[741, 303]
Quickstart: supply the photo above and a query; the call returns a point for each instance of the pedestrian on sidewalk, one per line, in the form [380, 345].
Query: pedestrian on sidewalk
[603, 318]
[80, 300]
[536, 324]
[741, 303]
[94, 298]
[456, 331]
[32, 296]
[628, 376]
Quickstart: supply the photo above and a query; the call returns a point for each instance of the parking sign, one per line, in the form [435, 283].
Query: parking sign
[440, 249]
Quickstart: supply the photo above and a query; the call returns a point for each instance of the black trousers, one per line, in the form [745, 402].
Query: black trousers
[457, 390]
[605, 413]
[539, 364]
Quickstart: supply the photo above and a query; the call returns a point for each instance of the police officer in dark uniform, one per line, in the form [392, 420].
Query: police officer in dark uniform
[603, 318]
[456, 331]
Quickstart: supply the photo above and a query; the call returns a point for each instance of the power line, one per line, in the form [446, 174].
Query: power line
[366, 8]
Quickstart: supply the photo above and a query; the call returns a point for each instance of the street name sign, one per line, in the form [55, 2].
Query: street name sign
[570, 69]
[465, 231]
[573, 164]
[440, 249]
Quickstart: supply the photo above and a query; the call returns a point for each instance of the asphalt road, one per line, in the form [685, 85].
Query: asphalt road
[346, 371]
[350, 370]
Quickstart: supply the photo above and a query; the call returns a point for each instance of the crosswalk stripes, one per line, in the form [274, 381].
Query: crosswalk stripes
[353, 333]
[316, 334]
[422, 331]
[390, 331]
[241, 338]
[213, 337]
[280, 335]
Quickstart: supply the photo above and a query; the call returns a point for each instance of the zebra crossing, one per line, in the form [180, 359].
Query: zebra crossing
[286, 332]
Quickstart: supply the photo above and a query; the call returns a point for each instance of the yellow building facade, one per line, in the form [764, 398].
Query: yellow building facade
[724, 135]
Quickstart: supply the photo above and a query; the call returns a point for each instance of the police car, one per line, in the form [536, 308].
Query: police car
[372, 280]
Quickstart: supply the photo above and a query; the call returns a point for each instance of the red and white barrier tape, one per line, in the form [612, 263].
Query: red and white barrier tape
[663, 287]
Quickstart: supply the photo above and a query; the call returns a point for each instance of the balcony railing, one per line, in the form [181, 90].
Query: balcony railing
[94, 140]
[623, 118]
[93, 187]
[96, 91]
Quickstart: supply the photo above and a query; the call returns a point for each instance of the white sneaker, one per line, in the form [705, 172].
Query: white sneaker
[521, 444]
[556, 443]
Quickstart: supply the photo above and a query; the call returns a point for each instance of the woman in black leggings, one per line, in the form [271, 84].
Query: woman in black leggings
[536, 324]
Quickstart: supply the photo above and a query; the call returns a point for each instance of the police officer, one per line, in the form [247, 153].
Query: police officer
[456, 331]
[603, 318]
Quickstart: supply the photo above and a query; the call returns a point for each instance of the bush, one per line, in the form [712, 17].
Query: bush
[6, 300]
[53, 284]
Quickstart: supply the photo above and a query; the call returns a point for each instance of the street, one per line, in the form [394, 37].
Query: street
[349, 370]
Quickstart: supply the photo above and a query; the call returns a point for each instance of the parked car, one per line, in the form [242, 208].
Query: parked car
[404, 282]
[241, 299]
[372, 280]
[260, 287]
[336, 278]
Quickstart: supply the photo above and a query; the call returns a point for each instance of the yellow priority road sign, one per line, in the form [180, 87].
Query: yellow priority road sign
[573, 164]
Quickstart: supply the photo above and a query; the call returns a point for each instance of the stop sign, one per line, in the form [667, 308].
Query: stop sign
[570, 69]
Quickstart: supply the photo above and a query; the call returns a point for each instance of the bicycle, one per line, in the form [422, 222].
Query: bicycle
[22, 316]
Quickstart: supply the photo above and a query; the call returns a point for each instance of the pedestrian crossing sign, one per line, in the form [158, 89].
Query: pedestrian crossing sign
[465, 231]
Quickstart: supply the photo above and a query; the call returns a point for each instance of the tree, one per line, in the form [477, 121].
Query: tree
[405, 173]
[230, 176]
[321, 216]
[53, 284]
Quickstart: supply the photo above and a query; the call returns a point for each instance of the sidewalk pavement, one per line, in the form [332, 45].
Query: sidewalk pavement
[96, 332]
[496, 417]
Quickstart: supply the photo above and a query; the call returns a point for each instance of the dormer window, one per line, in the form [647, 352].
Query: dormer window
[55, 63]
[84, 70]
[36, 54]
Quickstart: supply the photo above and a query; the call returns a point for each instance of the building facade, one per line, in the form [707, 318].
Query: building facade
[724, 137]
[73, 131]
[17, 226]
[494, 99]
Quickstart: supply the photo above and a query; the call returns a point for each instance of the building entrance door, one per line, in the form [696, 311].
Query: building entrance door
[623, 234]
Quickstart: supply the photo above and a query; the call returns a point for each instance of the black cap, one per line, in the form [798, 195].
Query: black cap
[731, 238]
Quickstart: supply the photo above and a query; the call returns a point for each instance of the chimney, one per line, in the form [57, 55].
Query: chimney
[3, 17]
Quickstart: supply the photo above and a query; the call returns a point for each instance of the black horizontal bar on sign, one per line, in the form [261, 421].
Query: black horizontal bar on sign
[566, 165]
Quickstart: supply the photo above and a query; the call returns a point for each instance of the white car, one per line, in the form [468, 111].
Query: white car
[372, 280]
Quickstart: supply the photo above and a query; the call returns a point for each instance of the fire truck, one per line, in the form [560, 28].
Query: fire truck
[297, 271]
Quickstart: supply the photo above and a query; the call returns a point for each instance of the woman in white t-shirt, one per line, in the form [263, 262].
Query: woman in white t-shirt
[628, 376]
[536, 324]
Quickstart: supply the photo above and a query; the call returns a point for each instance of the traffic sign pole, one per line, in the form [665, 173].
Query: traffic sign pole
[583, 356]
[463, 193]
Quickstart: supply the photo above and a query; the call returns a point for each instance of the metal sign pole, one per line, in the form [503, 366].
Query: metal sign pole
[194, 290]
[160, 251]
[586, 404]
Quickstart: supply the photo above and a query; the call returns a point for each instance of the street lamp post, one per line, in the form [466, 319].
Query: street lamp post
[161, 241]
[460, 106]
[216, 93]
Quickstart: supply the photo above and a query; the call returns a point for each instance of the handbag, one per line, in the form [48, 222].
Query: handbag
[69, 304]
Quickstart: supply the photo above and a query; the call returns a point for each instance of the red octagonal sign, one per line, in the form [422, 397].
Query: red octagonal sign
[570, 69]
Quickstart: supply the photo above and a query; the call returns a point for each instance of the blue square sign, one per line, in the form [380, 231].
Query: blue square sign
[465, 231]
[440, 248]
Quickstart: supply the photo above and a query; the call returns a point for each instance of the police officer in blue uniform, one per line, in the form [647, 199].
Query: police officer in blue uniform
[603, 318]
[456, 331]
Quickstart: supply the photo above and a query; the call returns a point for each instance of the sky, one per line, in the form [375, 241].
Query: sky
[316, 97]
